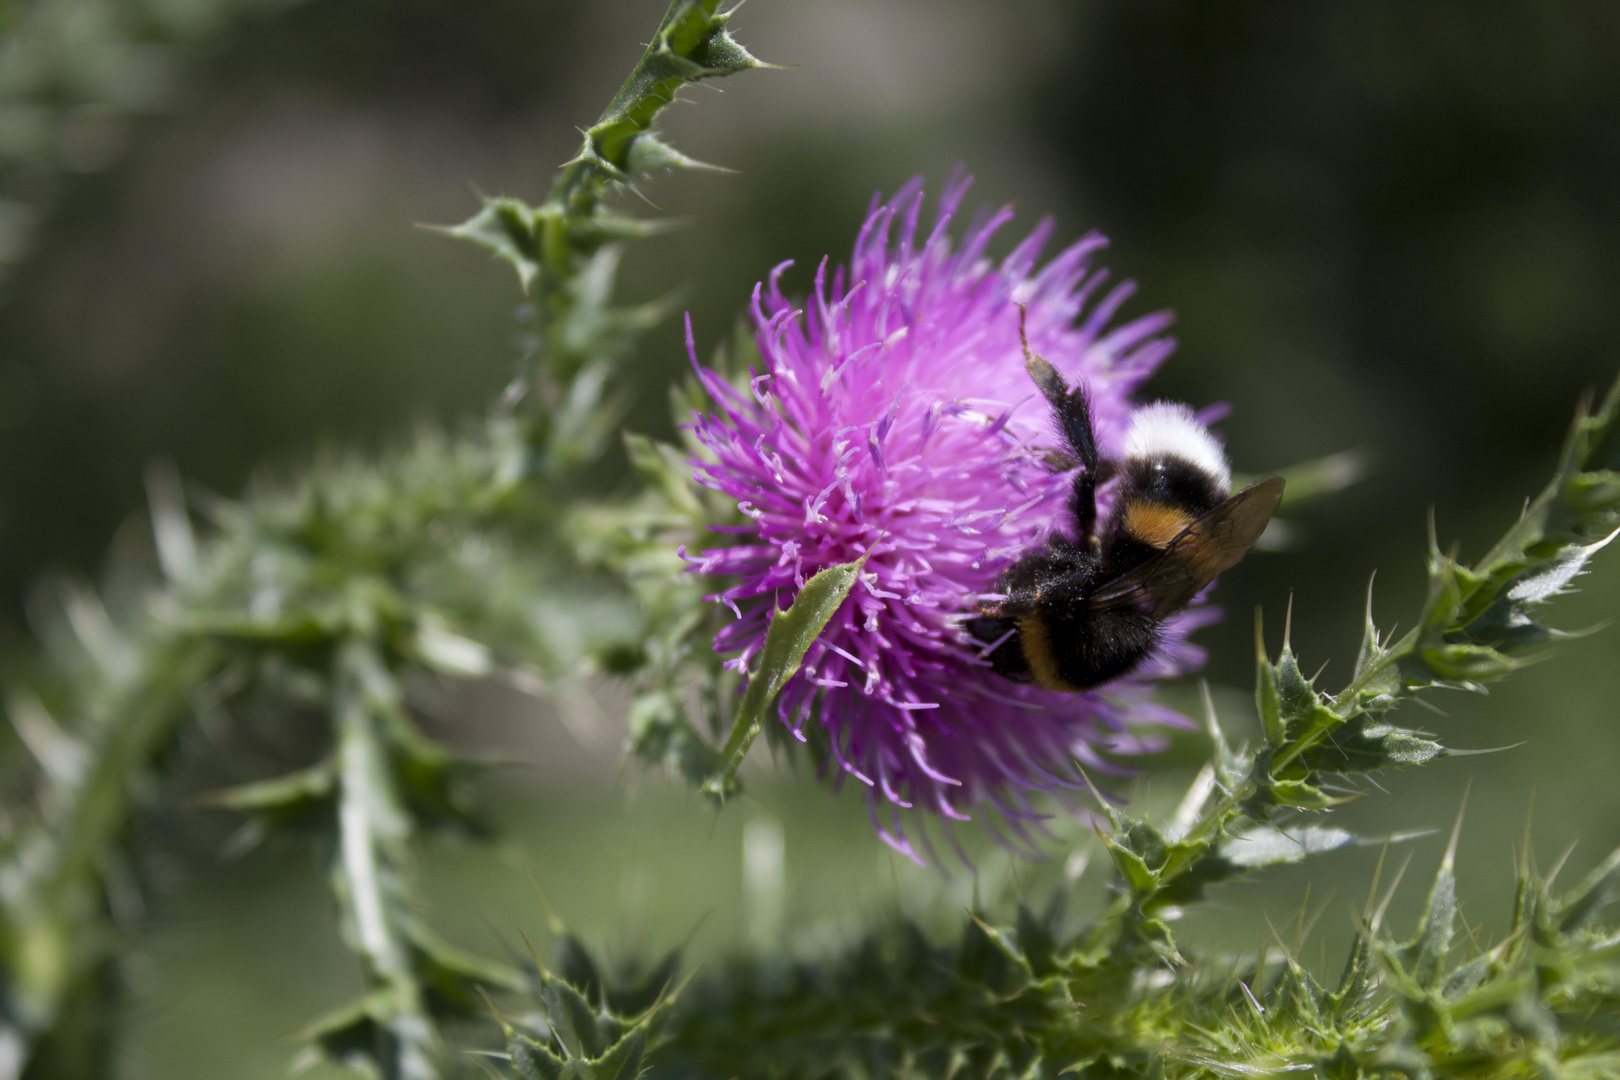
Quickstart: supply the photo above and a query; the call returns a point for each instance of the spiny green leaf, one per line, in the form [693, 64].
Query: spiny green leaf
[989, 958]
[721, 54]
[1464, 664]
[638, 990]
[1269, 845]
[575, 964]
[1315, 478]
[692, 43]
[1466, 978]
[1268, 701]
[1300, 794]
[534, 1061]
[1148, 843]
[582, 1031]
[660, 732]
[1141, 875]
[1372, 677]
[667, 471]
[1246, 851]
[506, 228]
[1365, 745]
[650, 154]
[550, 243]
[1350, 996]
[439, 648]
[1423, 957]
[358, 1035]
[623, 1058]
[452, 977]
[1037, 942]
[1304, 716]
[1600, 889]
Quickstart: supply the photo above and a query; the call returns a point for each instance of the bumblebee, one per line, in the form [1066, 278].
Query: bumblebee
[1088, 607]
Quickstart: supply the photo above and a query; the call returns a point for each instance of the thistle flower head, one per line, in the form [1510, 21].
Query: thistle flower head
[894, 418]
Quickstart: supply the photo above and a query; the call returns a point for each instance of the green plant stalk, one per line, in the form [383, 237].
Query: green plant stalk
[371, 872]
[566, 249]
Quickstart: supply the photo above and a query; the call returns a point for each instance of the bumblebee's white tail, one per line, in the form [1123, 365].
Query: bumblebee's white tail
[1169, 429]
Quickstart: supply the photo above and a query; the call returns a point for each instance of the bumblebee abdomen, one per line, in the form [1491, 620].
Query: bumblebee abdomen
[1159, 498]
[1155, 523]
[1035, 640]
[1099, 646]
[1079, 649]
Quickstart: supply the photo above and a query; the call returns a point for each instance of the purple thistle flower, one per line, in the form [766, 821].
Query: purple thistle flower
[894, 417]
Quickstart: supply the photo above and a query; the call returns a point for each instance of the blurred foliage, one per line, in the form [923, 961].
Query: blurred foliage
[332, 596]
[74, 75]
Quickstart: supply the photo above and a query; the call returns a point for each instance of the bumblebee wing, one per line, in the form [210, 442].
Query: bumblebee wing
[1202, 552]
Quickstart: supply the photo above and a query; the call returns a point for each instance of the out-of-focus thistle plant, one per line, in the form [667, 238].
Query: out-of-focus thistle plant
[331, 596]
[1115, 996]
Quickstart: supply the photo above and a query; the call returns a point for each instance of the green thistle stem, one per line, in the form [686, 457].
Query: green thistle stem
[569, 245]
[371, 871]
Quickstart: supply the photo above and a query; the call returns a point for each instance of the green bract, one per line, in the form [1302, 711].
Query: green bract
[789, 638]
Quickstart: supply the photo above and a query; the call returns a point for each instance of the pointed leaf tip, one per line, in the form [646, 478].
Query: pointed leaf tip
[505, 228]
[649, 153]
[725, 55]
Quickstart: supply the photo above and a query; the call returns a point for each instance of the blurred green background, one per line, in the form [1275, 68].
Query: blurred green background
[1391, 226]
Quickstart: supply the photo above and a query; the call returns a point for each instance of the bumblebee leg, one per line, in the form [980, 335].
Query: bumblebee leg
[1073, 409]
[1074, 414]
[1083, 504]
